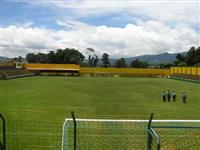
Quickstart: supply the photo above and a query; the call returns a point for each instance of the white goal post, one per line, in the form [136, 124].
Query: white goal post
[93, 133]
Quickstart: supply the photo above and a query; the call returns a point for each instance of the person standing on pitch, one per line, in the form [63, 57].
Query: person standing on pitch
[174, 96]
[168, 95]
[184, 96]
[164, 96]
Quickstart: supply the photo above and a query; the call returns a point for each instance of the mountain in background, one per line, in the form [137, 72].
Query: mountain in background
[4, 58]
[153, 59]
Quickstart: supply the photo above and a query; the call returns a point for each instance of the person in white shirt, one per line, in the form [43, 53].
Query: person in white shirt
[184, 97]
[174, 96]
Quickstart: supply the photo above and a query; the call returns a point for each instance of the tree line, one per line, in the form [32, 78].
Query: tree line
[73, 56]
[65, 56]
[192, 58]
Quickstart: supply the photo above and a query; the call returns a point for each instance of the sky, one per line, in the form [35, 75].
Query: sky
[121, 28]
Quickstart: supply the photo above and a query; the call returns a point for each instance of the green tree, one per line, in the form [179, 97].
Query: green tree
[31, 58]
[135, 64]
[197, 56]
[41, 58]
[193, 56]
[180, 57]
[92, 58]
[96, 59]
[120, 63]
[105, 60]
[139, 64]
[59, 56]
[90, 61]
[190, 56]
[66, 56]
[51, 57]
[72, 56]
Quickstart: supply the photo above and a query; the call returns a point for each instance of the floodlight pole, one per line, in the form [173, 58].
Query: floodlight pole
[75, 130]
[148, 136]
[4, 132]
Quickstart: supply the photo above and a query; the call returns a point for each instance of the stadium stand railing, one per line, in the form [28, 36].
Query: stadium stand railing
[12, 72]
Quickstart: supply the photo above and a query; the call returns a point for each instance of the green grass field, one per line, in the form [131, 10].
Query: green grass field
[35, 107]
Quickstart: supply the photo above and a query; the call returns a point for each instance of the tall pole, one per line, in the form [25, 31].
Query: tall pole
[4, 132]
[149, 140]
[75, 130]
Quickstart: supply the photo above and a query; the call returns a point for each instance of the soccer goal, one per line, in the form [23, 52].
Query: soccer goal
[111, 134]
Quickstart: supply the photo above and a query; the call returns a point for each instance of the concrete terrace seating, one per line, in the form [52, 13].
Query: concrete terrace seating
[9, 74]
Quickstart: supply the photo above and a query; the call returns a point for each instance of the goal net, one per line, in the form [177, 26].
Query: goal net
[104, 134]
[107, 134]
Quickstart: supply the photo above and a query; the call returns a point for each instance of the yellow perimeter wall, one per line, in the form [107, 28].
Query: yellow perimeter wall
[87, 70]
[185, 70]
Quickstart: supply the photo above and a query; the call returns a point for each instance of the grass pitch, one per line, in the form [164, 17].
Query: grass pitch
[35, 107]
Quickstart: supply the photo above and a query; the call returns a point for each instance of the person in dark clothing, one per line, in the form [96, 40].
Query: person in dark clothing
[168, 95]
[184, 96]
[164, 96]
[174, 96]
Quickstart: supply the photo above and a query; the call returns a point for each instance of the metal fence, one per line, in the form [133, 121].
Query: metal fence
[109, 134]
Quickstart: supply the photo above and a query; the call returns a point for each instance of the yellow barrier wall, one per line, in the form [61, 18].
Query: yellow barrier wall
[175, 70]
[185, 70]
[188, 70]
[194, 71]
[87, 70]
[172, 70]
[198, 71]
[179, 70]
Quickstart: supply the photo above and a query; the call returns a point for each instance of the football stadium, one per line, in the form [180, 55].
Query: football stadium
[112, 108]
[99, 75]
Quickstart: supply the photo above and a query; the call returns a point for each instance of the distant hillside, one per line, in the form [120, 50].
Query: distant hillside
[153, 59]
[4, 58]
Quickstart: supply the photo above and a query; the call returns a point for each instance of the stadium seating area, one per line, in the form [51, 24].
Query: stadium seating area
[13, 73]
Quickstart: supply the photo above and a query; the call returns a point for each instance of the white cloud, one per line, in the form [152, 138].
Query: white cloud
[178, 11]
[148, 37]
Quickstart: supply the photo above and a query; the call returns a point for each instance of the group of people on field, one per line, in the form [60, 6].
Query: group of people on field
[167, 95]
